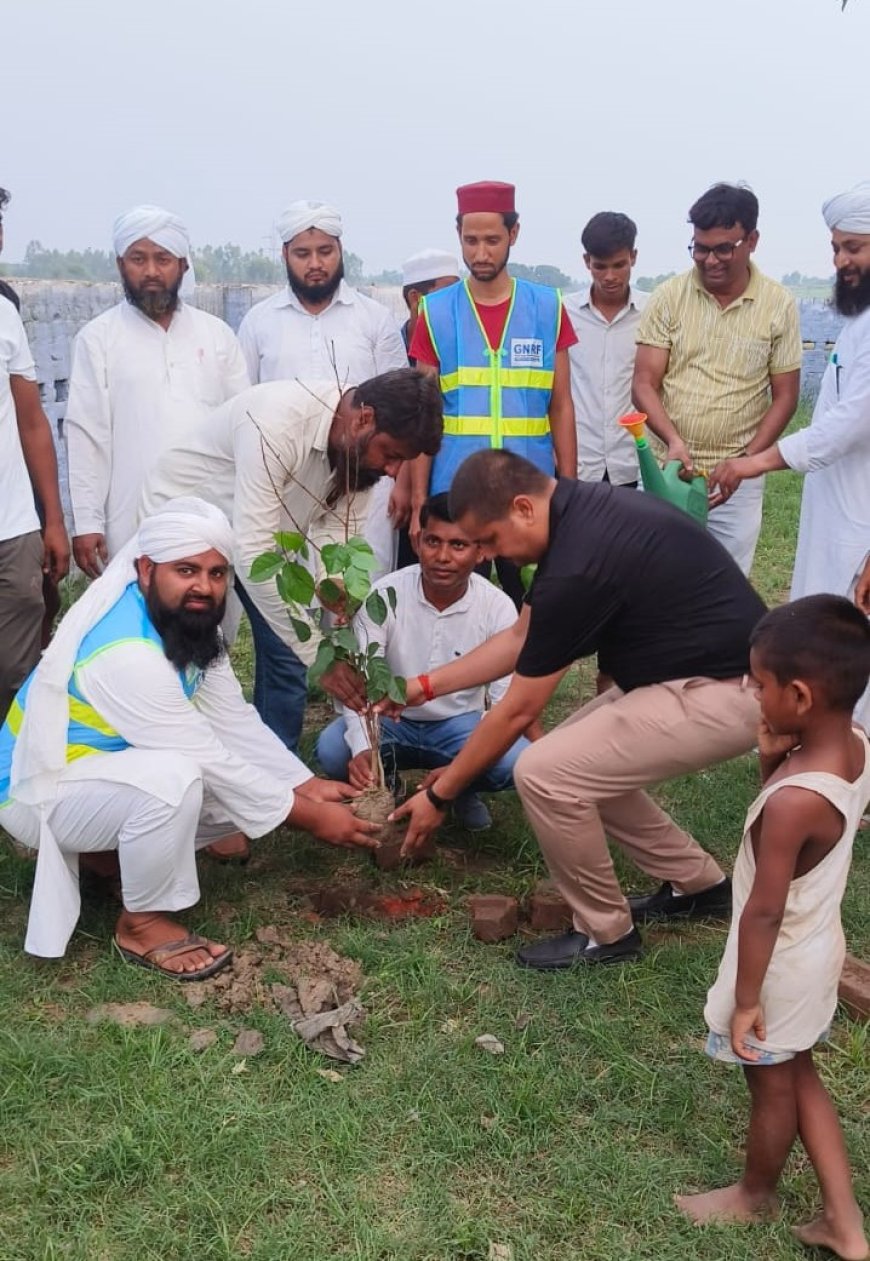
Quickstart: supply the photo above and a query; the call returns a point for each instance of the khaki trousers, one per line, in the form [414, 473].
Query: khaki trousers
[585, 779]
[21, 612]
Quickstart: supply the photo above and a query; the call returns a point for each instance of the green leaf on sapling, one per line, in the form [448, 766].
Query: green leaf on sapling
[345, 639]
[335, 557]
[376, 607]
[391, 596]
[357, 583]
[290, 541]
[329, 592]
[265, 566]
[295, 584]
[324, 660]
[303, 629]
[398, 690]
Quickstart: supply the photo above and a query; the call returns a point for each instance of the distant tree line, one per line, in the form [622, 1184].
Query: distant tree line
[226, 264]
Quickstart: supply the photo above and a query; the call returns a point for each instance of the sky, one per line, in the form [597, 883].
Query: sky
[226, 110]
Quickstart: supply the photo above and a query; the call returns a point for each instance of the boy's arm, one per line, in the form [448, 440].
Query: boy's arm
[788, 818]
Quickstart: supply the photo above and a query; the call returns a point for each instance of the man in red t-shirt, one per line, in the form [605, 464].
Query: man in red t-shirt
[488, 225]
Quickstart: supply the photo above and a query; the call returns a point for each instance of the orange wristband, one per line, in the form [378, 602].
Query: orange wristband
[426, 684]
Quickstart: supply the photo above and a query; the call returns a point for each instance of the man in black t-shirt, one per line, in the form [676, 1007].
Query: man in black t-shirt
[669, 614]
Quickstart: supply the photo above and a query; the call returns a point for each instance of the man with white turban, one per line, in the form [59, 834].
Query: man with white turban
[132, 735]
[142, 372]
[834, 451]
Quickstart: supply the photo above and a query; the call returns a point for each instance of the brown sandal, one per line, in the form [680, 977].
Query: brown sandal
[155, 957]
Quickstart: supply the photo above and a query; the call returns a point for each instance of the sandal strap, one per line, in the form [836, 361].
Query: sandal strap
[172, 949]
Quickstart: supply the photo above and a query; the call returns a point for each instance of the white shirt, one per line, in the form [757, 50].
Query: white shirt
[263, 458]
[418, 638]
[133, 388]
[353, 339]
[834, 453]
[17, 511]
[602, 363]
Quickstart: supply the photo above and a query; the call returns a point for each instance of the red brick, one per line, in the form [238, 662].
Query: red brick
[855, 987]
[493, 917]
[548, 910]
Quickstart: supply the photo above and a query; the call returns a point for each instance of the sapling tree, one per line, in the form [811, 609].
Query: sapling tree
[328, 608]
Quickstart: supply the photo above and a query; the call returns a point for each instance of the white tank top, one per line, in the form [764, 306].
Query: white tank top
[799, 992]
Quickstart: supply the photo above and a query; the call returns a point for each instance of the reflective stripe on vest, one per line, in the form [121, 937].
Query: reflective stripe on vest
[87, 731]
[494, 397]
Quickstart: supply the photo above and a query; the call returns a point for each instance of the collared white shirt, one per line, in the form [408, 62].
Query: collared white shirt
[353, 339]
[134, 389]
[263, 458]
[602, 364]
[418, 638]
[17, 513]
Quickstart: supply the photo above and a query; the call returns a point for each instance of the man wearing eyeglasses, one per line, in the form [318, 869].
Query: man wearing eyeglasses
[718, 360]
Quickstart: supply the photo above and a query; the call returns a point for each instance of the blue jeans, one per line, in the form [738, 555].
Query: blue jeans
[280, 678]
[409, 744]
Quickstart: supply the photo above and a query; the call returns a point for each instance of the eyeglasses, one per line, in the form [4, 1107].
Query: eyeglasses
[723, 252]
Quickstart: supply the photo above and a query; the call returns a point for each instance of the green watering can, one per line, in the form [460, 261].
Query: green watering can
[666, 483]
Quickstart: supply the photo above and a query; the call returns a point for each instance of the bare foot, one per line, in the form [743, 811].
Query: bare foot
[234, 848]
[728, 1204]
[141, 933]
[844, 1239]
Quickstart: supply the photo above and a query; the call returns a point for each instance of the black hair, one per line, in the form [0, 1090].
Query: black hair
[407, 405]
[510, 217]
[489, 481]
[5, 198]
[422, 286]
[723, 206]
[608, 232]
[437, 507]
[823, 639]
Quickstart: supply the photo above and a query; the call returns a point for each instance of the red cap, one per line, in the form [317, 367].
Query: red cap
[489, 196]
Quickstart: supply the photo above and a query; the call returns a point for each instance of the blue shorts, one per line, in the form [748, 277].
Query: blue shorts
[719, 1048]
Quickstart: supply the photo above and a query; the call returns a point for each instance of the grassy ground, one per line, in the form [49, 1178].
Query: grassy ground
[121, 1144]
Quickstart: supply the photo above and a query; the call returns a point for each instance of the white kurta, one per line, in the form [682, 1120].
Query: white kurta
[263, 458]
[133, 389]
[354, 339]
[834, 453]
[245, 770]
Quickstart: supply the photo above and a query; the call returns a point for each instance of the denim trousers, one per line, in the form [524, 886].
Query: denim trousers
[280, 678]
[409, 744]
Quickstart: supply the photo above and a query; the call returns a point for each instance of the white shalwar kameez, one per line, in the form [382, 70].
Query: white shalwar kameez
[134, 389]
[196, 769]
[834, 454]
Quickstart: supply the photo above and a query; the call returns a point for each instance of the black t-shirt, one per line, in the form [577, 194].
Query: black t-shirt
[639, 582]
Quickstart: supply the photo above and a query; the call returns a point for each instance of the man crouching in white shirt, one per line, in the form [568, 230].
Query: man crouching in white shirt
[132, 734]
[443, 610]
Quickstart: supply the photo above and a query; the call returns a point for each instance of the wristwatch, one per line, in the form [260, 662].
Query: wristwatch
[440, 803]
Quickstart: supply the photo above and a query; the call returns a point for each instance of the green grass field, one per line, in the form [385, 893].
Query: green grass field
[122, 1144]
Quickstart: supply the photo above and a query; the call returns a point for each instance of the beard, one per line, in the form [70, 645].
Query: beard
[153, 302]
[321, 292]
[350, 474]
[191, 637]
[490, 271]
[852, 299]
